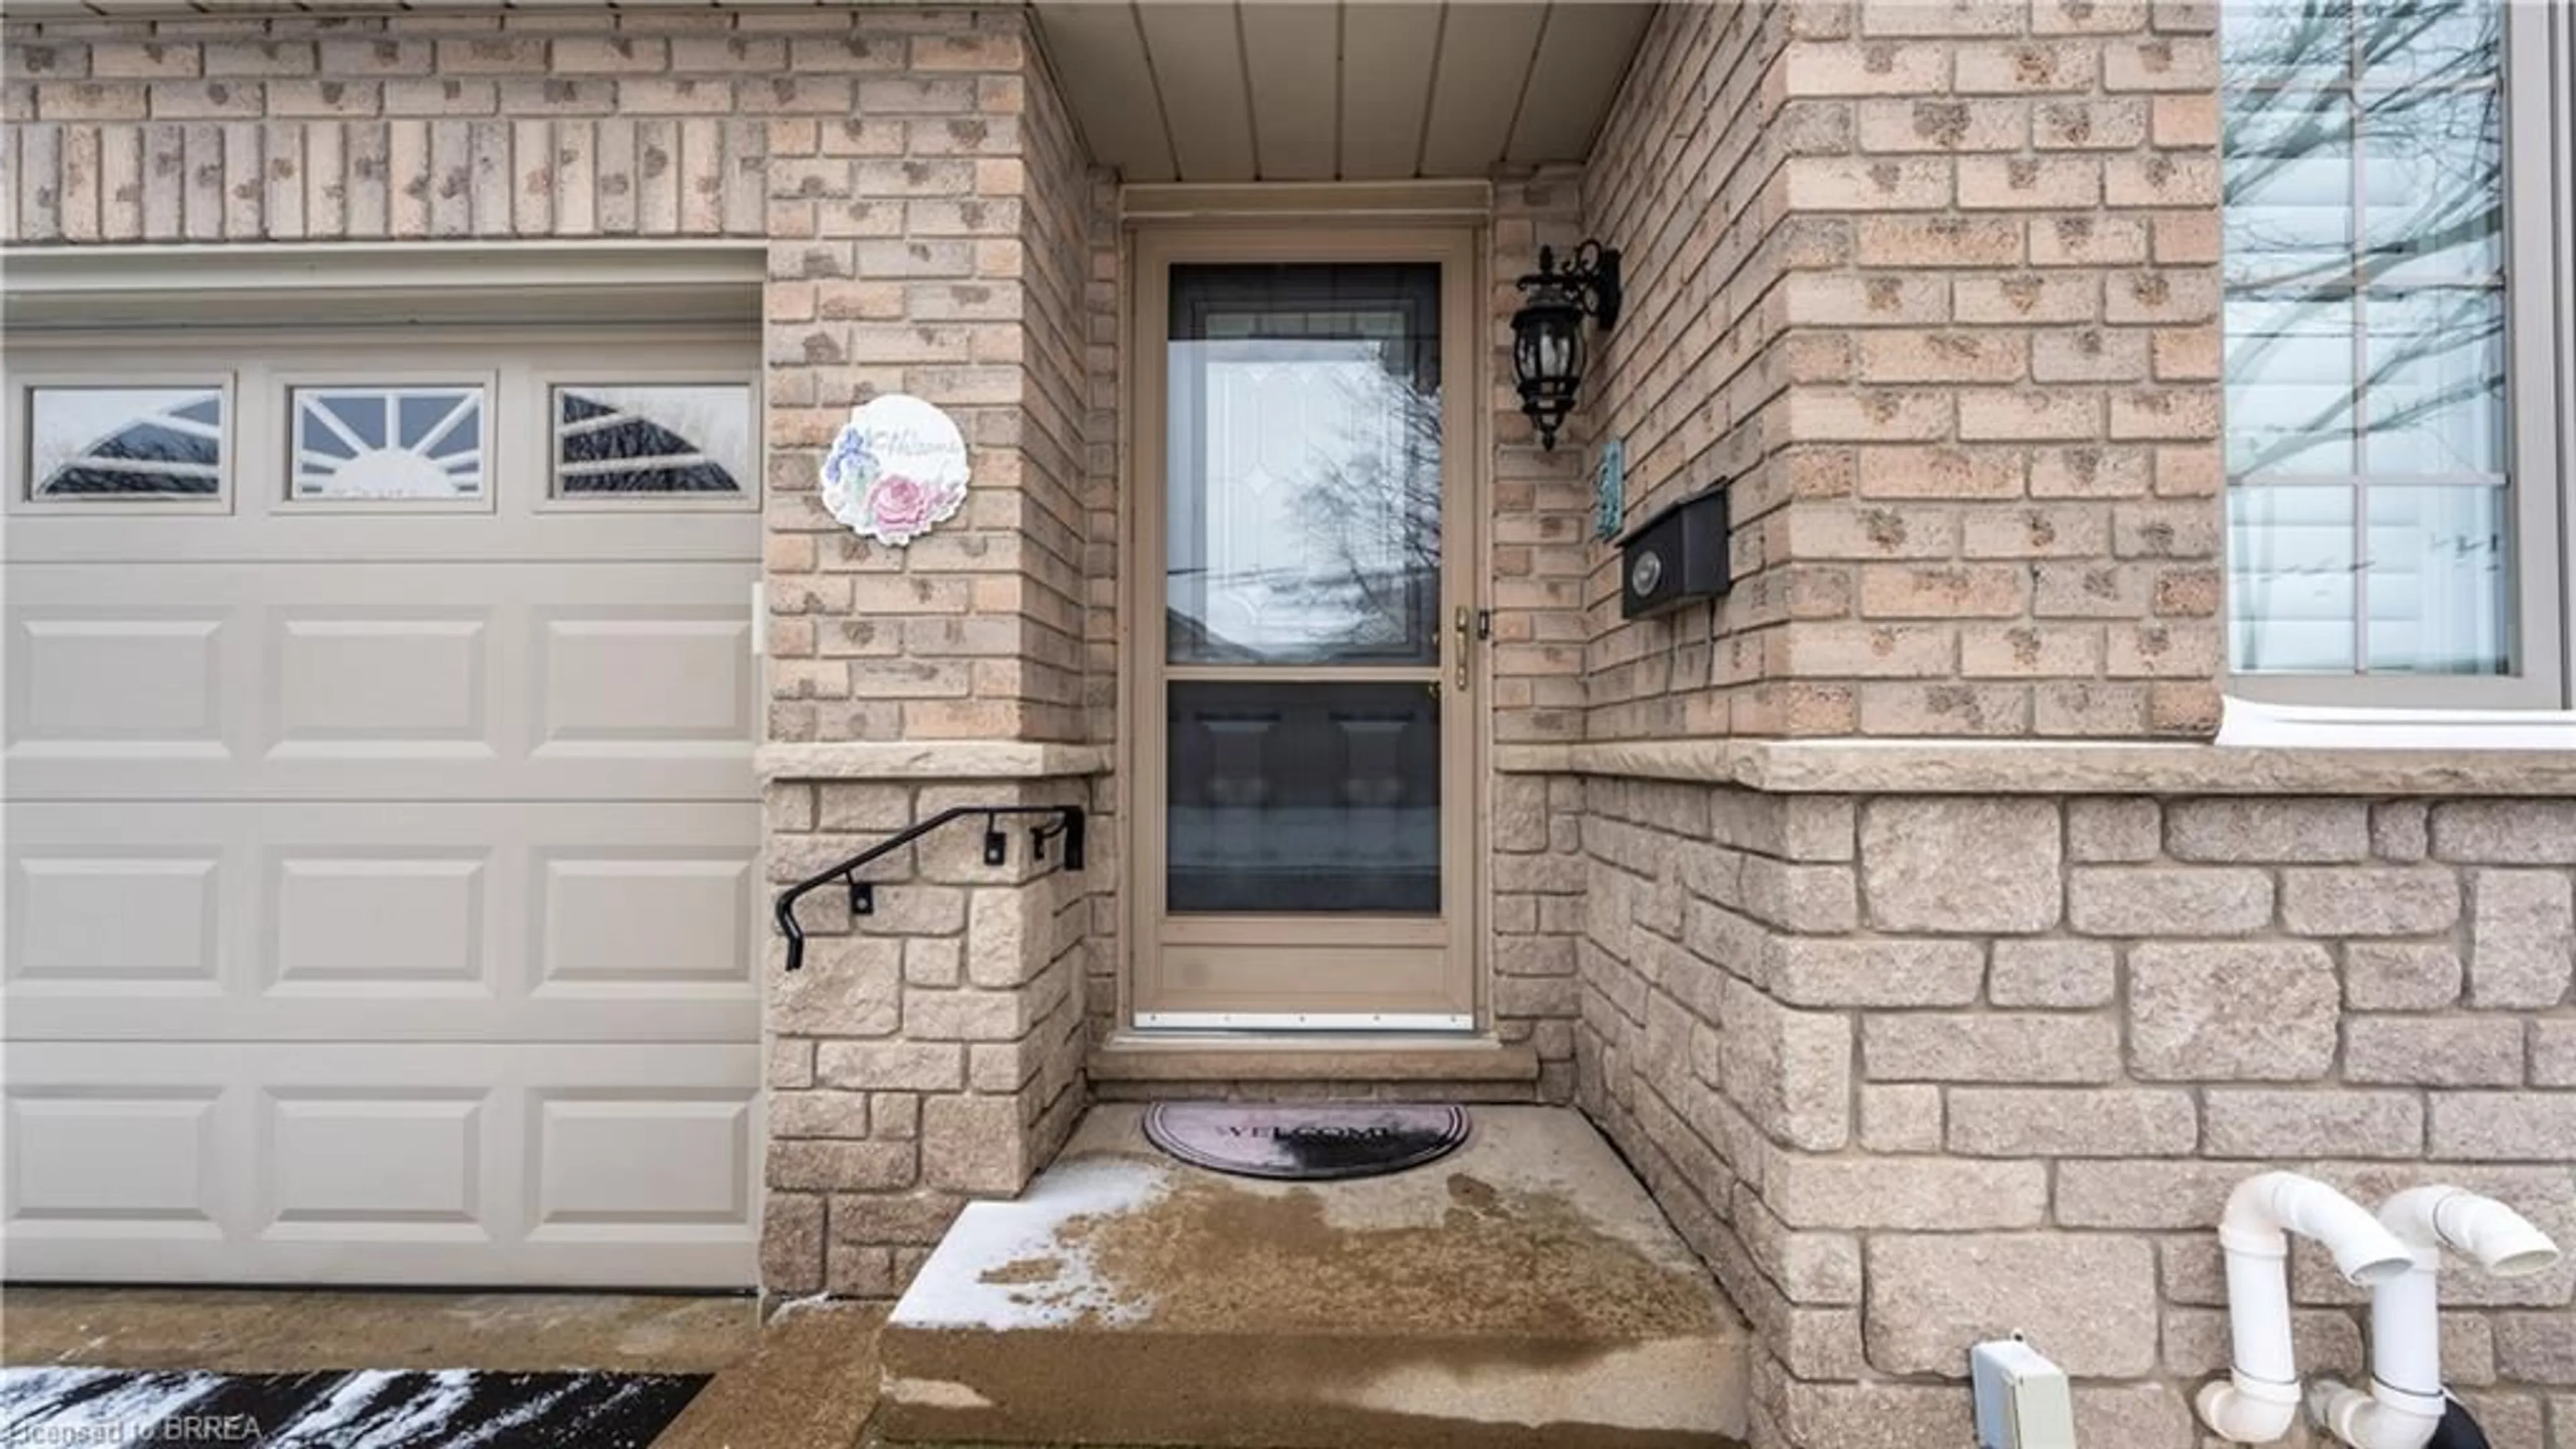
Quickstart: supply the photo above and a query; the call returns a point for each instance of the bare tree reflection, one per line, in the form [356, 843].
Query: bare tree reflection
[1371, 514]
[2364, 207]
[2441, 114]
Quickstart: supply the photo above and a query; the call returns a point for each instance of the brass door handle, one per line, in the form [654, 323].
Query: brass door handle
[1462, 625]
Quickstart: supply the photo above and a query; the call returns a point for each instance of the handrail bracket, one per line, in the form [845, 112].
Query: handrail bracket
[1067, 822]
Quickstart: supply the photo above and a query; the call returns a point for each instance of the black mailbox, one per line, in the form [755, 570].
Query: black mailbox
[1676, 557]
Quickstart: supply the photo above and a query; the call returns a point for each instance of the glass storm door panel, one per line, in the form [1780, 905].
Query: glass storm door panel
[1303, 698]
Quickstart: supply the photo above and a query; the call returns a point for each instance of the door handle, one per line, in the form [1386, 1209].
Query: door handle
[1463, 626]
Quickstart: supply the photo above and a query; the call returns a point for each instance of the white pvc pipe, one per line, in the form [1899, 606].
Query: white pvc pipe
[2259, 1400]
[2405, 1401]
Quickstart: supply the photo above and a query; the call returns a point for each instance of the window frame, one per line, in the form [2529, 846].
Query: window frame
[283, 384]
[20, 479]
[2538, 67]
[545, 386]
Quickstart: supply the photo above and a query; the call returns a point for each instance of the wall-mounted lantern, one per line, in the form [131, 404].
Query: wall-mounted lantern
[1547, 332]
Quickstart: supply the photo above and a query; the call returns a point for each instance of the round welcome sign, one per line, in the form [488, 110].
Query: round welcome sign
[897, 468]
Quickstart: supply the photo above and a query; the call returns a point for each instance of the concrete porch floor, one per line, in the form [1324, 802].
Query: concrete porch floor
[1522, 1291]
[806, 1380]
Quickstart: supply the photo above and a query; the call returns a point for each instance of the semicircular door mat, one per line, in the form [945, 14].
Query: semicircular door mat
[1310, 1141]
[338, 1409]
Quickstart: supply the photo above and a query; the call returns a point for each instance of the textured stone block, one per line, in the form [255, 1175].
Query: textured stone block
[818, 1114]
[2553, 1053]
[2176, 1195]
[1924, 1194]
[892, 1066]
[1789, 1071]
[1998, 1047]
[2324, 1123]
[2114, 828]
[974, 1144]
[2168, 901]
[2505, 1126]
[2506, 832]
[2268, 830]
[2433, 1051]
[791, 1242]
[2050, 1122]
[1806, 971]
[2537, 1348]
[2522, 938]
[2256, 1011]
[849, 987]
[2089, 1300]
[2400, 830]
[819, 1165]
[1960, 865]
[2051, 974]
[2400, 976]
[1875, 1415]
[2134, 1416]
[2386, 901]
[1901, 1118]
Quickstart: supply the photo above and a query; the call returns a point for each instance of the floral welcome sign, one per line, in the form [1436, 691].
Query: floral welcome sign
[898, 467]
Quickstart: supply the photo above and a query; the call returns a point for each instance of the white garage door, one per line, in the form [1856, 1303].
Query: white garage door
[381, 826]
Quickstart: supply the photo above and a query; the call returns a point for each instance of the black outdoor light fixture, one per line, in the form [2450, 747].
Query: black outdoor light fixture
[1547, 332]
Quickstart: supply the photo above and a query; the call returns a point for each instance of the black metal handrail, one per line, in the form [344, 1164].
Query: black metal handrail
[997, 851]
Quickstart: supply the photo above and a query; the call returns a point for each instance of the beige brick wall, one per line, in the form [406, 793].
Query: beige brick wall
[1935, 283]
[1914, 1071]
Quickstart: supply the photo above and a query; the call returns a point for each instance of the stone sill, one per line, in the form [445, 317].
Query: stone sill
[928, 760]
[2052, 767]
[1213, 1059]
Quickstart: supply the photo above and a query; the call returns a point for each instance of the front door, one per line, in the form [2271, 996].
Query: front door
[1303, 655]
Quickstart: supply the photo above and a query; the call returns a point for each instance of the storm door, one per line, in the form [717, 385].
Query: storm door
[1306, 654]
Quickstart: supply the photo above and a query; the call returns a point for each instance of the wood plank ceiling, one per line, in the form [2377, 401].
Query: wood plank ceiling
[1347, 90]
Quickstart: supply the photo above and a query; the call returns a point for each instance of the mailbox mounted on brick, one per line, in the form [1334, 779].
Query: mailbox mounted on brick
[1676, 557]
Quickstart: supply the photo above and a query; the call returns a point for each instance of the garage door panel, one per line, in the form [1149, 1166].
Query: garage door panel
[612, 1162]
[656, 672]
[117, 918]
[390, 681]
[451, 1163]
[115, 1153]
[391, 924]
[395, 1158]
[414, 681]
[640, 918]
[380, 852]
[497, 922]
[115, 676]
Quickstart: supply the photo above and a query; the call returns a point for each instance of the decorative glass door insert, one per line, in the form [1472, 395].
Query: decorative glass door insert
[1309, 655]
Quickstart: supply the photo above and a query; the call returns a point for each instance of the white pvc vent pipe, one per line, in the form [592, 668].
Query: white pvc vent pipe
[2259, 1400]
[2405, 1401]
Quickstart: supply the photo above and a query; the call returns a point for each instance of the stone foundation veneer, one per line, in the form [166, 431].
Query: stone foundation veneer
[1914, 1069]
[927, 1054]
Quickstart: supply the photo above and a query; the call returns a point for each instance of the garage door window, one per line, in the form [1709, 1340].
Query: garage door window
[627, 438]
[129, 443]
[407, 442]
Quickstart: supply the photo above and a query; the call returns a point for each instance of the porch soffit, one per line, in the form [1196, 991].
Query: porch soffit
[1243, 90]
[1337, 90]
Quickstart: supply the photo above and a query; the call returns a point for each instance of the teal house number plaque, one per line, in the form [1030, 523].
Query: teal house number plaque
[1610, 490]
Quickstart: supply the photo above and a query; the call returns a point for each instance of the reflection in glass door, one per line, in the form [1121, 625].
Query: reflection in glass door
[1303, 703]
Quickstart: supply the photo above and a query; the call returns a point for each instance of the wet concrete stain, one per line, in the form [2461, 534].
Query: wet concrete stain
[1025, 1270]
[1537, 1268]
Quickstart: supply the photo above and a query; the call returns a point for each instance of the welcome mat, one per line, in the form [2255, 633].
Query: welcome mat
[1305, 1141]
[366, 1409]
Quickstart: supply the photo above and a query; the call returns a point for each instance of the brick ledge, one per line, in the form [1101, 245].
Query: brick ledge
[2052, 767]
[928, 760]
